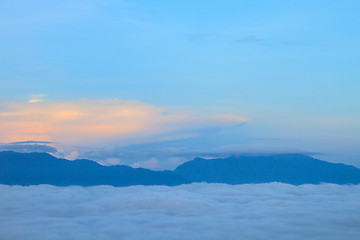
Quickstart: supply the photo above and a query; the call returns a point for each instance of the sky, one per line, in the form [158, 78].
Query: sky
[155, 83]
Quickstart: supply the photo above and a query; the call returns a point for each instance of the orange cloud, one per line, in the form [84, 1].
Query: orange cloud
[93, 121]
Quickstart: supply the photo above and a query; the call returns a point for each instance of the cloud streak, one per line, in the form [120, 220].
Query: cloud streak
[28, 148]
[195, 211]
[34, 98]
[93, 121]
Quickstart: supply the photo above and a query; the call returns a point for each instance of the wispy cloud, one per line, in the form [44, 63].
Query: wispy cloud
[24, 147]
[171, 154]
[34, 98]
[99, 121]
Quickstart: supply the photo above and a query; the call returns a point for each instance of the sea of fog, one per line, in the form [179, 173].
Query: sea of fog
[195, 211]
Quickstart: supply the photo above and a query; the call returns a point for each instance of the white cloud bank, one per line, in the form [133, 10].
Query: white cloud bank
[195, 211]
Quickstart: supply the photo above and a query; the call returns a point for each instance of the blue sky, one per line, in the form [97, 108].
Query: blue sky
[289, 67]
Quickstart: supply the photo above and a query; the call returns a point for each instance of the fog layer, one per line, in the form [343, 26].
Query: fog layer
[195, 211]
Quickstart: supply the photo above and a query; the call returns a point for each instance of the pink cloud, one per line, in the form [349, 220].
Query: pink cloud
[93, 121]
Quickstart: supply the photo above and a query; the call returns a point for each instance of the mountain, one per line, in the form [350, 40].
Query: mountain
[42, 168]
[287, 168]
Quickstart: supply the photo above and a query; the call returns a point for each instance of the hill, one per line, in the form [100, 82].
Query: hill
[42, 168]
[287, 168]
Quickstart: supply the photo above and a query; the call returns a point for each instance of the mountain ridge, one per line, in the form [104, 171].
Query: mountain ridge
[288, 168]
[43, 168]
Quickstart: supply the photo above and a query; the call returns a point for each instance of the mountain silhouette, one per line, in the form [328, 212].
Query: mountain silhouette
[42, 168]
[287, 168]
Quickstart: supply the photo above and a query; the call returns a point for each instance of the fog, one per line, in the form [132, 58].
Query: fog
[195, 211]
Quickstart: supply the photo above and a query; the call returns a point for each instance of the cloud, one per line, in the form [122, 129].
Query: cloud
[97, 121]
[243, 149]
[30, 142]
[194, 211]
[169, 155]
[28, 148]
[152, 163]
[151, 157]
[110, 161]
[34, 98]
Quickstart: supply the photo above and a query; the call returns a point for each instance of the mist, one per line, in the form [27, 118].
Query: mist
[194, 211]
